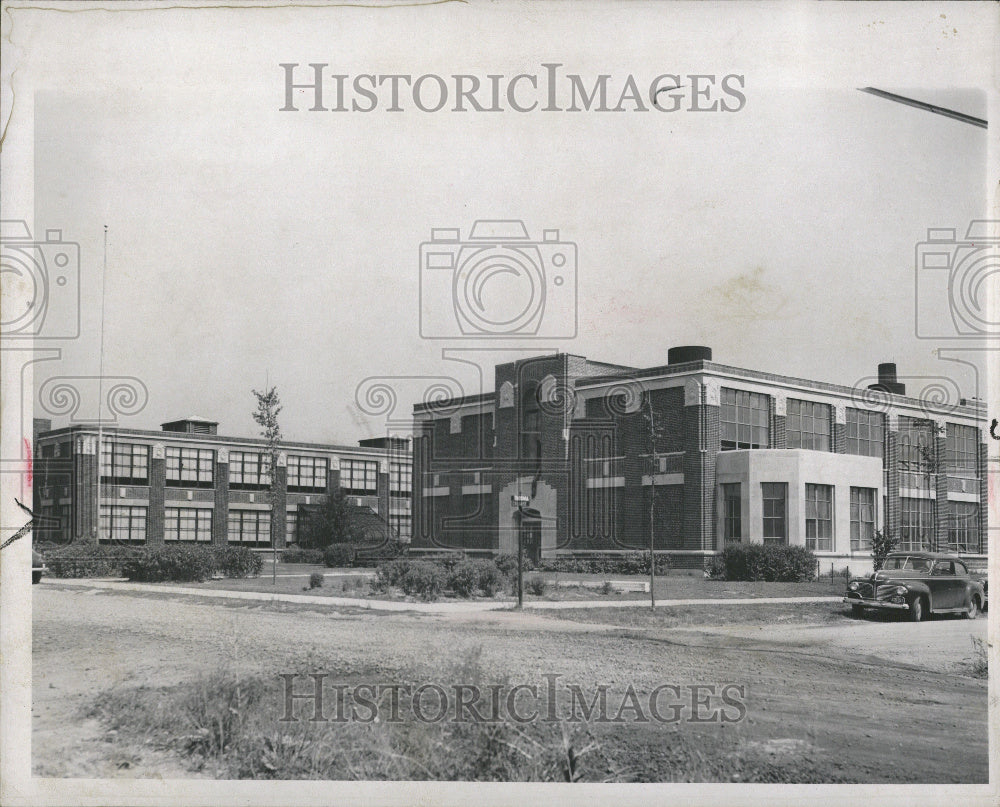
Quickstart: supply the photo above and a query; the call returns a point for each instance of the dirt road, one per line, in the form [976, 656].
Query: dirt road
[873, 701]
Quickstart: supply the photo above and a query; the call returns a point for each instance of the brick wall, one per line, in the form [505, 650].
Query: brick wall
[220, 525]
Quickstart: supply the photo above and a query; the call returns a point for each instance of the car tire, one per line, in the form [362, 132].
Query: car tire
[917, 609]
[36, 577]
[973, 610]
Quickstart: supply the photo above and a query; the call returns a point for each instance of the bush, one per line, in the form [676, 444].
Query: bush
[882, 544]
[316, 580]
[507, 564]
[339, 555]
[180, 564]
[423, 579]
[389, 574]
[767, 562]
[470, 576]
[238, 561]
[298, 555]
[536, 585]
[87, 559]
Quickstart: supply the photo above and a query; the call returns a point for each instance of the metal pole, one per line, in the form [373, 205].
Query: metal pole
[520, 559]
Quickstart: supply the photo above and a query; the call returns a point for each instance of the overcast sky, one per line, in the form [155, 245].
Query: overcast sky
[247, 244]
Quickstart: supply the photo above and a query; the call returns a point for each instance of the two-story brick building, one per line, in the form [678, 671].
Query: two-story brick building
[187, 483]
[570, 454]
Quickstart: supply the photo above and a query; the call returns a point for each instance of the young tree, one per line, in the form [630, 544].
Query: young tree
[266, 416]
[334, 523]
[882, 544]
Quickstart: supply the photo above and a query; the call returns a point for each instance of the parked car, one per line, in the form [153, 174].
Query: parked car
[918, 584]
[37, 567]
[978, 572]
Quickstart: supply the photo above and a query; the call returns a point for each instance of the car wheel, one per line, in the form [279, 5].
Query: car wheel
[973, 610]
[36, 577]
[917, 609]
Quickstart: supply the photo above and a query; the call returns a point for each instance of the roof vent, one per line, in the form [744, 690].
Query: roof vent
[887, 380]
[686, 353]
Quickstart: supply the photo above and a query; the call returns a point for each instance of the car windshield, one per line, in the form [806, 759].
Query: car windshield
[907, 563]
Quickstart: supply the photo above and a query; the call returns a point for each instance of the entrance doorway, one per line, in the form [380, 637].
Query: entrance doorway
[530, 534]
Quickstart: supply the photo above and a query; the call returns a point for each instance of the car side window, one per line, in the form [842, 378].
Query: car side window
[943, 567]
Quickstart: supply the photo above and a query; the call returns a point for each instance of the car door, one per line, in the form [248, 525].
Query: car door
[947, 589]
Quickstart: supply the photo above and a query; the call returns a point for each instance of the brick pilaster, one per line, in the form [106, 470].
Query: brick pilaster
[220, 511]
[892, 510]
[156, 511]
[279, 500]
[983, 469]
[942, 508]
[701, 445]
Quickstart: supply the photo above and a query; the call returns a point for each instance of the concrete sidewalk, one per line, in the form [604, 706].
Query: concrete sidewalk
[420, 607]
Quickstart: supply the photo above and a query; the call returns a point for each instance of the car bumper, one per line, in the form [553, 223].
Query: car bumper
[891, 606]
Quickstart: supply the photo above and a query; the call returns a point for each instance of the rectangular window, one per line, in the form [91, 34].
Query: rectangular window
[744, 419]
[124, 463]
[123, 523]
[916, 529]
[963, 528]
[732, 512]
[190, 467]
[400, 524]
[819, 517]
[306, 474]
[359, 477]
[916, 445]
[291, 528]
[808, 425]
[400, 479]
[187, 524]
[774, 496]
[962, 449]
[862, 518]
[865, 432]
[249, 527]
[249, 470]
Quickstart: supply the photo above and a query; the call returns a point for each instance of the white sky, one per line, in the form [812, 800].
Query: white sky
[248, 243]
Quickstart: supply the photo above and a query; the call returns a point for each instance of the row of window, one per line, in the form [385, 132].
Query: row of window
[917, 519]
[128, 464]
[127, 523]
[744, 422]
[818, 512]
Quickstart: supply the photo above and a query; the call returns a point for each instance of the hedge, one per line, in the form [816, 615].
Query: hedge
[764, 562]
[339, 555]
[297, 555]
[185, 563]
[627, 563]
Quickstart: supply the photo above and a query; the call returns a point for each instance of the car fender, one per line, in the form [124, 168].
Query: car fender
[913, 587]
[972, 588]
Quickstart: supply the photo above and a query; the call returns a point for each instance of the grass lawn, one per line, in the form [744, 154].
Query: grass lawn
[354, 583]
[681, 616]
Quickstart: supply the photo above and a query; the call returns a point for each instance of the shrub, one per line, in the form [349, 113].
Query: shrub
[468, 577]
[423, 579]
[238, 561]
[339, 555]
[507, 564]
[462, 578]
[536, 585]
[767, 562]
[489, 578]
[181, 564]
[607, 588]
[316, 580]
[298, 555]
[87, 559]
[390, 574]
